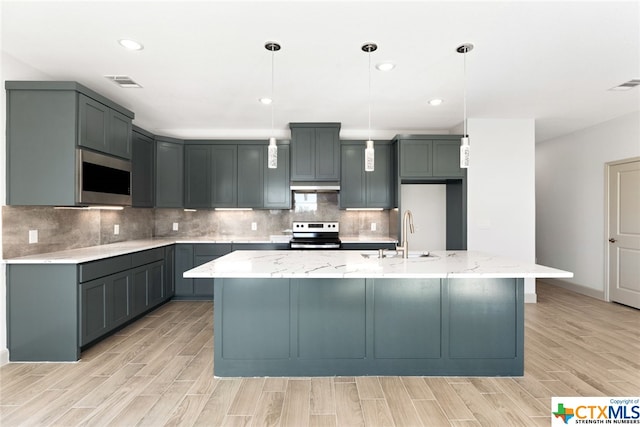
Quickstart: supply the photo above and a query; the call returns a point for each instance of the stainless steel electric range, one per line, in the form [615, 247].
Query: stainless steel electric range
[315, 235]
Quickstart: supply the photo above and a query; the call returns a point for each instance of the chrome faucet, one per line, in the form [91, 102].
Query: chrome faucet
[407, 221]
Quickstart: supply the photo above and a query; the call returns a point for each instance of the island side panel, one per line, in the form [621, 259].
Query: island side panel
[485, 326]
[42, 312]
[252, 319]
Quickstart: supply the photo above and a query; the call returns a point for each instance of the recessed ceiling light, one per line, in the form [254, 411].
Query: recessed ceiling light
[435, 101]
[265, 101]
[130, 44]
[385, 66]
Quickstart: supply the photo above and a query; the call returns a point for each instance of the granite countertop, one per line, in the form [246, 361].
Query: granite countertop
[94, 253]
[362, 264]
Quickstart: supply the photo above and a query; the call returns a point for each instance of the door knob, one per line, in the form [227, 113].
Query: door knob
[612, 240]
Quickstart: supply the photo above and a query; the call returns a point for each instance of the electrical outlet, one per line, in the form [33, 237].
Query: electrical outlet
[254, 226]
[175, 226]
[33, 236]
[374, 226]
[116, 229]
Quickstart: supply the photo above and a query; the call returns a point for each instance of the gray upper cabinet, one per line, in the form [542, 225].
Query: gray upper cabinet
[103, 129]
[360, 189]
[197, 177]
[277, 194]
[142, 169]
[234, 174]
[224, 176]
[426, 157]
[169, 173]
[46, 123]
[251, 166]
[315, 151]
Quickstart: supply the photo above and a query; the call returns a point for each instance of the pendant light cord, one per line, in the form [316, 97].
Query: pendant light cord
[369, 55]
[272, 85]
[464, 91]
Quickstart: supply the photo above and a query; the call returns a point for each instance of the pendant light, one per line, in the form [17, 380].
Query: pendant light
[369, 154]
[272, 150]
[464, 142]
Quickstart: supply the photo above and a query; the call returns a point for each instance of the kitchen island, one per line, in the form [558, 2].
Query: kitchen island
[324, 313]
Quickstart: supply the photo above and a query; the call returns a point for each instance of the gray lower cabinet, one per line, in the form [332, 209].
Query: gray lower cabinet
[169, 272]
[169, 173]
[142, 169]
[45, 124]
[360, 189]
[315, 151]
[366, 246]
[53, 311]
[188, 256]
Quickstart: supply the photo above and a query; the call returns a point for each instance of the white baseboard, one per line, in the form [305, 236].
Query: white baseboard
[4, 356]
[579, 289]
[530, 298]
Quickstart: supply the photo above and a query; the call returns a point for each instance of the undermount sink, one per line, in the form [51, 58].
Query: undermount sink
[394, 254]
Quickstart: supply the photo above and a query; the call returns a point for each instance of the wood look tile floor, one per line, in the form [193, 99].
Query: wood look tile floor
[158, 371]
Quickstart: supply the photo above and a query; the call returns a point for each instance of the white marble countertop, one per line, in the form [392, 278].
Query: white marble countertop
[94, 253]
[363, 264]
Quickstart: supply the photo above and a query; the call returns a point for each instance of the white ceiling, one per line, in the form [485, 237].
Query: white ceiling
[204, 65]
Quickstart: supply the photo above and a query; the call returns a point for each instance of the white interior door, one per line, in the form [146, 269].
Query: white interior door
[624, 233]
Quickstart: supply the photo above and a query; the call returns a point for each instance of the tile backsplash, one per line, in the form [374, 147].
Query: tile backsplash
[60, 229]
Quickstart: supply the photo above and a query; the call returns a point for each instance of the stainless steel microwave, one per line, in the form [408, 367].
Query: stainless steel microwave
[102, 179]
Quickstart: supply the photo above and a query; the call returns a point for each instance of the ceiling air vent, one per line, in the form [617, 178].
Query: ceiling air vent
[123, 81]
[627, 85]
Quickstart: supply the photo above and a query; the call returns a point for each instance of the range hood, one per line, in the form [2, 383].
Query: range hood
[315, 186]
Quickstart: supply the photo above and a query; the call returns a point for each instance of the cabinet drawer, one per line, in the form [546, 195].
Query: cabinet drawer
[211, 249]
[147, 257]
[260, 246]
[104, 267]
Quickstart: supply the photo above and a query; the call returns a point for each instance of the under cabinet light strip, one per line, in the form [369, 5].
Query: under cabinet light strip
[233, 209]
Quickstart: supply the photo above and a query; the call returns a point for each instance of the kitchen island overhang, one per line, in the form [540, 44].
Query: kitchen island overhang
[325, 313]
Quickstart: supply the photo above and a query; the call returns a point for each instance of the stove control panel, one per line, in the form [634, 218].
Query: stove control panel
[323, 226]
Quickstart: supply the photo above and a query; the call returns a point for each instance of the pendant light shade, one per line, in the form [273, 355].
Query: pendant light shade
[272, 154]
[464, 142]
[272, 150]
[369, 153]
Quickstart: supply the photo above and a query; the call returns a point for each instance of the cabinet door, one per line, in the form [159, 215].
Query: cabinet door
[251, 166]
[94, 311]
[303, 154]
[446, 159]
[184, 262]
[119, 136]
[352, 178]
[169, 272]
[416, 157]
[224, 183]
[277, 194]
[140, 288]
[120, 302]
[141, 171]
[380, 182]
[203, 287]
[197, 176]
[327, 154]
[169, 175]
[93, 124]
[156, 282]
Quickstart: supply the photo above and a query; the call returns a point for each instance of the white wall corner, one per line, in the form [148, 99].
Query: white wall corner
[530, 298]
[4, 356]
